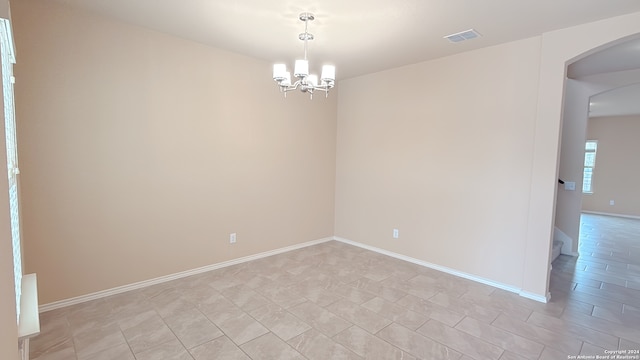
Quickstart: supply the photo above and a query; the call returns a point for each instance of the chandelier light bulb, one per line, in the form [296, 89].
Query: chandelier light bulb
[301, 69]
[328, 73]
[279, 72]
[287, 79]
[312, 80]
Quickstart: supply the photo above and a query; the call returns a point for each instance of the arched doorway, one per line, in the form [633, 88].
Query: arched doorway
[558, 49]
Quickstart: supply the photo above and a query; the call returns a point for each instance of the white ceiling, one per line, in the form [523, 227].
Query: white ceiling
[366, 36]
[358, 36]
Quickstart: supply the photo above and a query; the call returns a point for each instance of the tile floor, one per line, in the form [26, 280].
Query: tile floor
[335, 301]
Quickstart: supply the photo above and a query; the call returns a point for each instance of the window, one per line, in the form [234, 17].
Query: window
[590, 148]
[8, 59]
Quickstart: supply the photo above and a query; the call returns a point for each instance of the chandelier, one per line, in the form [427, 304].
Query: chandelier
[307, 83]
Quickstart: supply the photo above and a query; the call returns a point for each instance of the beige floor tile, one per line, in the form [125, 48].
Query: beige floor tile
[433, 311]
[192, 328]
[96, 340]
[368, 346]
[61, 351]
[628, 296]
[628, 332]
[554, 307]
[506, 307]
[352, 294]
[507, 355]
[129, 303]
[460, 340]
[88, 320]
[416, 344]
[319, 318]
[280, 321]
[454, 287]
[170, 302]
[377, 289]
[148, 334]
[593, 300]
[270, 347]
[590, 350]
[620, 293]
[633, 284]
[99, 308]
[423, 292]
[242, 328]
[220, 309]
[281, 296]
[130, 321]
[466, 306]
[316, 346]
[628, 345]
[359, 315]
[245, 298]
[515, 344]
[219, 349]
[577, 331]
[201, 295]
[377, 274]
[55, 334]
[578, 307]
[396, 313]
[172, 350]
[318, 291]
[157, 289]
[553, 354]
[594, 305]
[345, 274]
[225, 282]
[560, 341]
[120, 352]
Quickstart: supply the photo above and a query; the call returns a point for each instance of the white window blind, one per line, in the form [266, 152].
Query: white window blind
[8, 59]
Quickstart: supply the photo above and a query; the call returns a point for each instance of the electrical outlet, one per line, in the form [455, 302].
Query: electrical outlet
[612, 202]
[396, 233]
[232, 238]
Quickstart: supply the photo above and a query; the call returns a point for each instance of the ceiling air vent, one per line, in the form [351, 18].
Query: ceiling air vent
[463, 35]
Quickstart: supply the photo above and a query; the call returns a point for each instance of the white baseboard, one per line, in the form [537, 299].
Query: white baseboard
[611, 214]
[162, 279]
[536, 297]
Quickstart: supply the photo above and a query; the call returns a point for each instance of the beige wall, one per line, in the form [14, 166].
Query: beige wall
[462, 153]
[442, 151]
[8, 326]
[617, 165]
[140, 153]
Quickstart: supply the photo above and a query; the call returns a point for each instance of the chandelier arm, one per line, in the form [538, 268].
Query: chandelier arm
[287, 88]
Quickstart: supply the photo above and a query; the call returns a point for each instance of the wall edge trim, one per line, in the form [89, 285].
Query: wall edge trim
[444, 269]
[145, 283]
